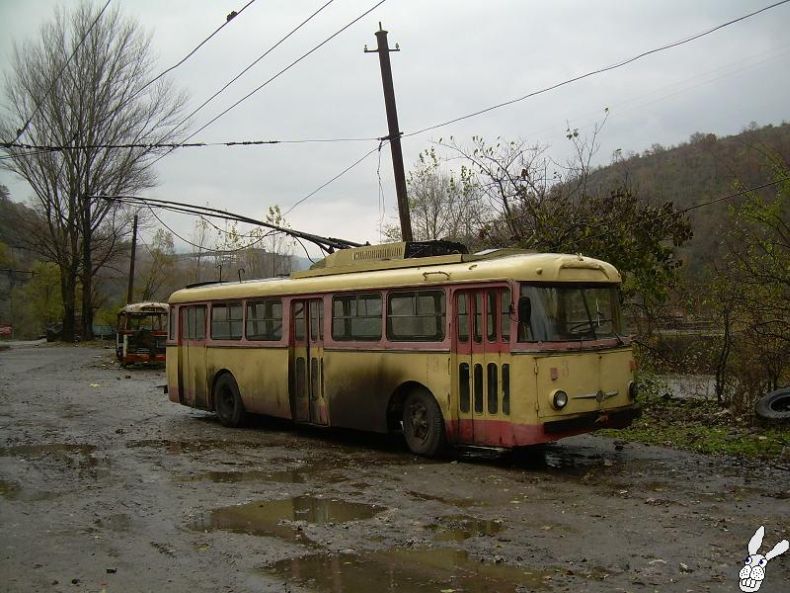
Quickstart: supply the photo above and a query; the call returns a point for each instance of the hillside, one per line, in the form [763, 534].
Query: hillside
[700, 170]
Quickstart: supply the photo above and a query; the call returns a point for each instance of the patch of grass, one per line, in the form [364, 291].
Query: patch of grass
[704, 427]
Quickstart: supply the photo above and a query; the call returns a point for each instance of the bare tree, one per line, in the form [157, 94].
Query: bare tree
[161, 254]
[441, 206]
[84, 85]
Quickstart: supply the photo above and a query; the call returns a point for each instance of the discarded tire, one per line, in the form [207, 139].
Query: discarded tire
[775, 405]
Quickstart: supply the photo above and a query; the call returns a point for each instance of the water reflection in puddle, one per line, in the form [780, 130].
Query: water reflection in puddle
[185, 447]
[277, 518]
[299, 475]
[9, 490]
[231, 477]
[456, 528]
[415, 571]
[38, 451]
[463, 503]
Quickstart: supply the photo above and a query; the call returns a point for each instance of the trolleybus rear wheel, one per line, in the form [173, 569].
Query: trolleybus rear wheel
[423, 426]
[227, 402]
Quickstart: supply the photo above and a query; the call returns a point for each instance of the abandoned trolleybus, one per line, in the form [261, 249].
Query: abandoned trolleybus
[497, 349]
[141, 333]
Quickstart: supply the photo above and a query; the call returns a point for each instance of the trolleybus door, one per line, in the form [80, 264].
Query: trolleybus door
[193, 385]
[482, 369]
[307, 362]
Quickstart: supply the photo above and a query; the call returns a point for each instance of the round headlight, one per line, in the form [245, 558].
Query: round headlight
[633, 390]
[559, 400]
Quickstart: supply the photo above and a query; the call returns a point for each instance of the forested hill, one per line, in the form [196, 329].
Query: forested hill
[704, 168]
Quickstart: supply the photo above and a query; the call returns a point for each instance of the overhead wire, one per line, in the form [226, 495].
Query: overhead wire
[24, 127]
[280, 73]
[335, 178]
[254, 62]
[228, 19]
[326, 243]
[175, 145]
[382, 204]
[694, 207]
[620, 64]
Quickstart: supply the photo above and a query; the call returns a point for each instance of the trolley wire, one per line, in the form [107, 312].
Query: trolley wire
[278, 74]
[175, 145]
[254, 62]
[229, 18]
[25, 126]
[620, 64]
[336, 177]
[695, 206]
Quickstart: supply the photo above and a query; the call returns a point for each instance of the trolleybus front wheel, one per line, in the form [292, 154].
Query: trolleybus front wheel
[423, 426]
[227, 402]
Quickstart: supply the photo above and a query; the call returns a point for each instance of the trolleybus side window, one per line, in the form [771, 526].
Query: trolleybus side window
[226, 321]
[416, 316]
[265, 320]
[316, 320]
[478, 319]
[505, 315]
[298, 316]
[172, 326]
[193, 322]
[463, 318]
[356, 317]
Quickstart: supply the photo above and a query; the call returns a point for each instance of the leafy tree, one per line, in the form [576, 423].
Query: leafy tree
[84, 84]
[42, 293]
[759, 250]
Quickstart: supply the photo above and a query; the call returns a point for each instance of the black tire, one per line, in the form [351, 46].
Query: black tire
[227, 402]
[423, 426]
[775, 405]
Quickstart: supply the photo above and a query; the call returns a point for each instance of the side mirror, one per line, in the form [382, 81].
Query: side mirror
[524, 310]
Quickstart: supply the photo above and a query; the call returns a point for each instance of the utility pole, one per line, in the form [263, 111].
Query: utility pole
[394, 131]
[130, 292]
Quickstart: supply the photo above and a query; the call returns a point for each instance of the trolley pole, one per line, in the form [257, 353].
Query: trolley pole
[130, 292]
[394, 132]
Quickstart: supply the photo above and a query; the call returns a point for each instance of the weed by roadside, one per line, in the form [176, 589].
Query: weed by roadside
[705, 427]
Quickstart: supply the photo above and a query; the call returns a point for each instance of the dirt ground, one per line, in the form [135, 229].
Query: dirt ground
[105, 485]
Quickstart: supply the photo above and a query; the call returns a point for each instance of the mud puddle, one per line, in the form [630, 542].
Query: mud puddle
[456, 502]
[9, 490]
[237, 477]
[187, 447]
[415, 570]
[456, 528]
[39, 451]
[285, 518]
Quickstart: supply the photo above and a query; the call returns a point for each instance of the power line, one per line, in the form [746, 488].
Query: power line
[203, 247]
[24, 127]
[335, 178]
[258, 59]
[697, 206]
[176, 145]
[229, 18]
[288, 67]
[735, 195]
[595, 72]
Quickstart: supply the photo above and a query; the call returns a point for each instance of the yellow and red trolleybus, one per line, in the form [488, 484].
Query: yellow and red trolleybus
[502, 348]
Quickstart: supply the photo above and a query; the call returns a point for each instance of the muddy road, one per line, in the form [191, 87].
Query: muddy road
[107, 486]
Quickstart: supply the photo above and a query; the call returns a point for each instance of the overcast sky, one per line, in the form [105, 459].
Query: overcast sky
[456, 57]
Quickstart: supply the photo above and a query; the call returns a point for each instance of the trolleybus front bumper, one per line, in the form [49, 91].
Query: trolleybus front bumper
[619, 418]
